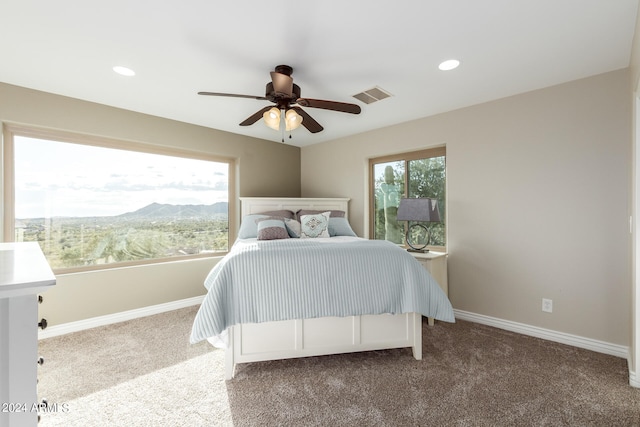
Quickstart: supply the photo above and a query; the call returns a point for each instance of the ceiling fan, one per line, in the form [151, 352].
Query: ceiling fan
[286, 96]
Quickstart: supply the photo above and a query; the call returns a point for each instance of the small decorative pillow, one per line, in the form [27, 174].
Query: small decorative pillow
[271, 228]
[340, 227]
[293, 227]
[312, 226]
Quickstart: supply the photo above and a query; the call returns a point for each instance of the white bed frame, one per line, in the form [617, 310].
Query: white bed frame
[253, 342]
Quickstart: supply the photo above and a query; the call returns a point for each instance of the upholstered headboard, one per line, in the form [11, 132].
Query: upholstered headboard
[255, 205]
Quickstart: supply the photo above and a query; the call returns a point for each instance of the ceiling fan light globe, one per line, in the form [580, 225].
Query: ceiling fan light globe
[272, 118]
[293, 120]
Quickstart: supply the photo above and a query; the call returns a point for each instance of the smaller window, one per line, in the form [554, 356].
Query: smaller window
[417, 174]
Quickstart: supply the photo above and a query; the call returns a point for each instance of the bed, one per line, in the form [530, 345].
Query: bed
[277, 297]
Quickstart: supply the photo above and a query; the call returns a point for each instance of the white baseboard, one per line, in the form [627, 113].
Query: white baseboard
[81, 325]
[521, 328]
[634, 381]
[547, 334]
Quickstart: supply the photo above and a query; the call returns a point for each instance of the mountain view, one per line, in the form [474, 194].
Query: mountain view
[157, 210]
[151, 232]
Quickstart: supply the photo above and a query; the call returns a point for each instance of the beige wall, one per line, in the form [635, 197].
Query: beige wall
[538, 190]
[634, 67]
[264, 168]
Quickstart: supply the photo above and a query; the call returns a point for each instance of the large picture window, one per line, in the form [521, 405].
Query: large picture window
[416, 174]
[99, 204]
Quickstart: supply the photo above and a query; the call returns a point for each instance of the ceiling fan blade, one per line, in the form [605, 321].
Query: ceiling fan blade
[308, 121]
[232, 95]
[282, 83]
[329, 105]
[256, 116]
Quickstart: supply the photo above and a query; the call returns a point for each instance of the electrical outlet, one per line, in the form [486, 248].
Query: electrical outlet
[547, 305]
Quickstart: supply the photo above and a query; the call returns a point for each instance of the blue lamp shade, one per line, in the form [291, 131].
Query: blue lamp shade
[418, 209]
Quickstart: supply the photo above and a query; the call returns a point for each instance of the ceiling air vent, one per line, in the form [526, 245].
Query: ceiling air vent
[372, 95]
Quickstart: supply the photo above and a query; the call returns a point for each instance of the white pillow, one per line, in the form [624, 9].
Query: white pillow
[312, 226]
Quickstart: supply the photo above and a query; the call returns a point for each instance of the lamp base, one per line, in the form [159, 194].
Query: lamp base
[412, 247]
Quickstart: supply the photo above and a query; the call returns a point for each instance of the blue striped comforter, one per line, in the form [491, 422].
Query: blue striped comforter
[260, 281]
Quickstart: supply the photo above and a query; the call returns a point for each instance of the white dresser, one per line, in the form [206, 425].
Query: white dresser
[24, 273]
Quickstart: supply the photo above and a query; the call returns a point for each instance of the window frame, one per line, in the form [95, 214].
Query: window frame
[406, 157]
[10, 131]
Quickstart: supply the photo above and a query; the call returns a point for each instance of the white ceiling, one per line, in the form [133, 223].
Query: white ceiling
[337, 48]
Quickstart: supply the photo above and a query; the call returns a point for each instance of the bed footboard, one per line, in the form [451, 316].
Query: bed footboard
[316, 337]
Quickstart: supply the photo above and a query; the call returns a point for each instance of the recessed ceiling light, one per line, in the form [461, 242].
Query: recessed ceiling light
[124, 71]
[449, 64]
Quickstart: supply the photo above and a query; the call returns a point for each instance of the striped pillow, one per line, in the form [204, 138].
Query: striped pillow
[271, 228]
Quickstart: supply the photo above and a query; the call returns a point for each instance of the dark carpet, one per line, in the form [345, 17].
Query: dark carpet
[144, 373]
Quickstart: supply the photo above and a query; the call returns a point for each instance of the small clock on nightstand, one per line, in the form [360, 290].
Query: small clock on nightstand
[436, 264]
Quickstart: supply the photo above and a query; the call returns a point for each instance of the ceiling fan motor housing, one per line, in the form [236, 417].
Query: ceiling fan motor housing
[281, 99]
[284, 69]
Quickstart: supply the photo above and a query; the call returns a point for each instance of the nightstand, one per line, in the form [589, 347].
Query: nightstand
[436, 264]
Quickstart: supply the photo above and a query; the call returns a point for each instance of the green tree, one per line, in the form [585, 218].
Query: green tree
[427, 178]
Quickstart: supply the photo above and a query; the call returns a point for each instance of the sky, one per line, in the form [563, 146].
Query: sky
[65, 179]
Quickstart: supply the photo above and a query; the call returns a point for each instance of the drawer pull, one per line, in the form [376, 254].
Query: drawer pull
[43, 324]
[40, 361]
